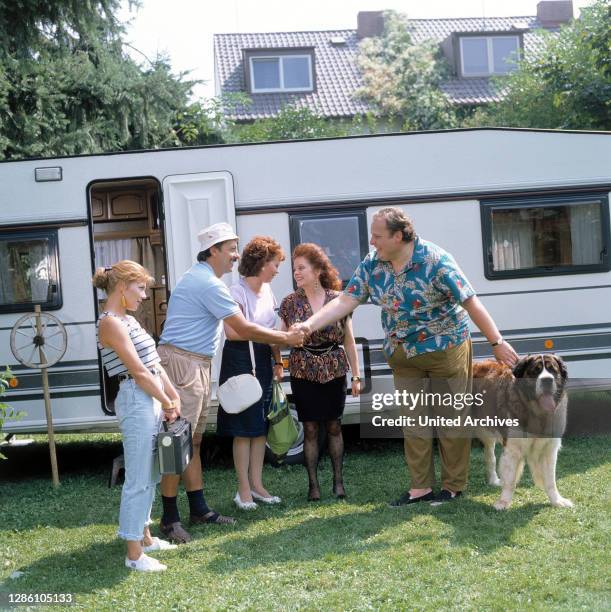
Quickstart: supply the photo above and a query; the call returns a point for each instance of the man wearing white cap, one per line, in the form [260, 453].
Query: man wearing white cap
[198, 305]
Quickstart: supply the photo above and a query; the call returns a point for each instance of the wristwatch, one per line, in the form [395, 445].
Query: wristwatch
[498, 342]
[356, 379]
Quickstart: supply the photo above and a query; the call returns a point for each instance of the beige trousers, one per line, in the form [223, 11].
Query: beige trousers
[439, 372]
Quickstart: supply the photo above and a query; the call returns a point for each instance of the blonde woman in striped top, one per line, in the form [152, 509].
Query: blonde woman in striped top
[146, 396]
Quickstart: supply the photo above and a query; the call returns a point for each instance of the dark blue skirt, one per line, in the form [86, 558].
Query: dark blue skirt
[252, 422]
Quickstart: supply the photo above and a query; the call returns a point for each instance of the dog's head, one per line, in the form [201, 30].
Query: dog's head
[542, 378]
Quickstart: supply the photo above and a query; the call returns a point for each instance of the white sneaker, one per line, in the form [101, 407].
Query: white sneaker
[158, 545]
[249, 505]
[145, 564]
[272, 499]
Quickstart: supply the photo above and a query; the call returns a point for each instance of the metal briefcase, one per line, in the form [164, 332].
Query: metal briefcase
[174, 446]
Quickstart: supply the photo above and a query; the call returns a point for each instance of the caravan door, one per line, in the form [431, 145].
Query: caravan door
[192, 202]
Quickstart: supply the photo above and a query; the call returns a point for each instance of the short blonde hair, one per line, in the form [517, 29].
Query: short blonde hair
[126, 270]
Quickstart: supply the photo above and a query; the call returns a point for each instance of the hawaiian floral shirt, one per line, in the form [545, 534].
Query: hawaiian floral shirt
[421, 305]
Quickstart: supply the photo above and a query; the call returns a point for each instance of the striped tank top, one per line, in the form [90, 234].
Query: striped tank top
[143, 343]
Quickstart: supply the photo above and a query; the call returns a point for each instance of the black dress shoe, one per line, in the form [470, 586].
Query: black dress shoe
[445, 496]
[406, 498]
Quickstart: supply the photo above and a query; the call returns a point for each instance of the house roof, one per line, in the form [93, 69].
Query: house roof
[337, 75]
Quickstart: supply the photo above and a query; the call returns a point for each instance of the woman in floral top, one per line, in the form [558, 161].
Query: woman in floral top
[318, 369]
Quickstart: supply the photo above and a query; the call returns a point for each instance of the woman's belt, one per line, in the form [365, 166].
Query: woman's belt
[320, 349]
[154, 370]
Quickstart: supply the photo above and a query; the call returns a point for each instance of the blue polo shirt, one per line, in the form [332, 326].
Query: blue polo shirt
[199, 303]
[421, 305]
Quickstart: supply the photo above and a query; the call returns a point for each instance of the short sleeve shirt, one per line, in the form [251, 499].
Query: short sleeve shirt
[259, 309]
[322, 368]
[199, 303]
[421, 305]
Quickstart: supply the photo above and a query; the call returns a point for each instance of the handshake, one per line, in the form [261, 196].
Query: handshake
[297, 334]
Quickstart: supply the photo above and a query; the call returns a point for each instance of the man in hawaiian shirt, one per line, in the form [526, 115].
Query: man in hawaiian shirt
[426, 303]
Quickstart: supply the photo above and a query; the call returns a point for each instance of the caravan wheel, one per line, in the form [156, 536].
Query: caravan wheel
[28, 340]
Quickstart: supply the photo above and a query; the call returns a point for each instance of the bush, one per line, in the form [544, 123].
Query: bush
[6, 412]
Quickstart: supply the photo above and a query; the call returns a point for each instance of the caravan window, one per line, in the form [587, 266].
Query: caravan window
[343, 237]
[30, 271]
[545, 236]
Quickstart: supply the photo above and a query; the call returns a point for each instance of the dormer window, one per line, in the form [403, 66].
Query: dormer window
[488, 55]
[273, 71]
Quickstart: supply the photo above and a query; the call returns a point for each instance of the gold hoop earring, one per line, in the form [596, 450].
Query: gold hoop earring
[123, 301]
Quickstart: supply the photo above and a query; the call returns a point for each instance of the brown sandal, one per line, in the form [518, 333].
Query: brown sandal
[212, 517]
[175, 532]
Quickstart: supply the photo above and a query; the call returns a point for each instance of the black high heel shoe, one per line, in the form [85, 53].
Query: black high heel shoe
[314, 493]
[339, 491]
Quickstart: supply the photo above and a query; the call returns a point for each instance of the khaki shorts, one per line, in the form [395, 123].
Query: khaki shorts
[190, 374]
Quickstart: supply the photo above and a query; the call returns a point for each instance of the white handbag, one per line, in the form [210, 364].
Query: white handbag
[239, 392]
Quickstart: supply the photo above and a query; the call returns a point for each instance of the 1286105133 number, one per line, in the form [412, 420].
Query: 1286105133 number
[20, 599]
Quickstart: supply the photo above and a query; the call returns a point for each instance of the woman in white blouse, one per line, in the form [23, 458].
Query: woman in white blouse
[258, 266]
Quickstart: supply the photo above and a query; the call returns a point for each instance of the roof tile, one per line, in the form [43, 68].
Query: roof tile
[337, 75]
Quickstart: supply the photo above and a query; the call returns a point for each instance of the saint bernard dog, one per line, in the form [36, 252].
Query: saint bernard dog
[530, 403]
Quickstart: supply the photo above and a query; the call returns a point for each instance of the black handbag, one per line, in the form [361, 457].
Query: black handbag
[174, 446]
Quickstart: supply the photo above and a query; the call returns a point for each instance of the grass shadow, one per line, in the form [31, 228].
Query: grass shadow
[85, 570]
[469, 523]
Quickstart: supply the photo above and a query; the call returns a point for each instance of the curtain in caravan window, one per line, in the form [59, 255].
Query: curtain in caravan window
[39, 273]
[586, 233]
[512, 241]
[109, 252]
[6, 286]
[26, 270]
[142, 252]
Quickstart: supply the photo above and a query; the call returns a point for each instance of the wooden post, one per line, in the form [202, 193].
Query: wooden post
[47, 396]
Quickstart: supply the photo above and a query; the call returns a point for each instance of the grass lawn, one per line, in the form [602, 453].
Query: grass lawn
[335, 555]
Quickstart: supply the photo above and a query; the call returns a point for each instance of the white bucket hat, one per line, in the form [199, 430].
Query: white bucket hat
[219, 232]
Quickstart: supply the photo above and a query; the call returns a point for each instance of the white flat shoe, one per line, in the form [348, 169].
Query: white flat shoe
[272, 499]
[145, 564]
[158, 545]
[249, 505]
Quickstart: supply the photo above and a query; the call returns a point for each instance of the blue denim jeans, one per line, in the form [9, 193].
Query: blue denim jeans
[139, 417]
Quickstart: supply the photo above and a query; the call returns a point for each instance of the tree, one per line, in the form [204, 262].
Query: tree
[291, 123]
[401, 79]
[567, 85]
[67, 86]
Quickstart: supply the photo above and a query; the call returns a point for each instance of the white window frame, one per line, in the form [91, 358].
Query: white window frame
[254, 89]
[489, 51]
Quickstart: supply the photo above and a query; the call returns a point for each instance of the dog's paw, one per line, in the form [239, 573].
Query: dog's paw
[494, 482]
[562, 502]
[501, 504]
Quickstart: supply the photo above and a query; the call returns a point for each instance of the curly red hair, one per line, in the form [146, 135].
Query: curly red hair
[257, 253]
[318, 259]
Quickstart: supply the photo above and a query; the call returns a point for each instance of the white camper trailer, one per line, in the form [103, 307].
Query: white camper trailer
[525, 213]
